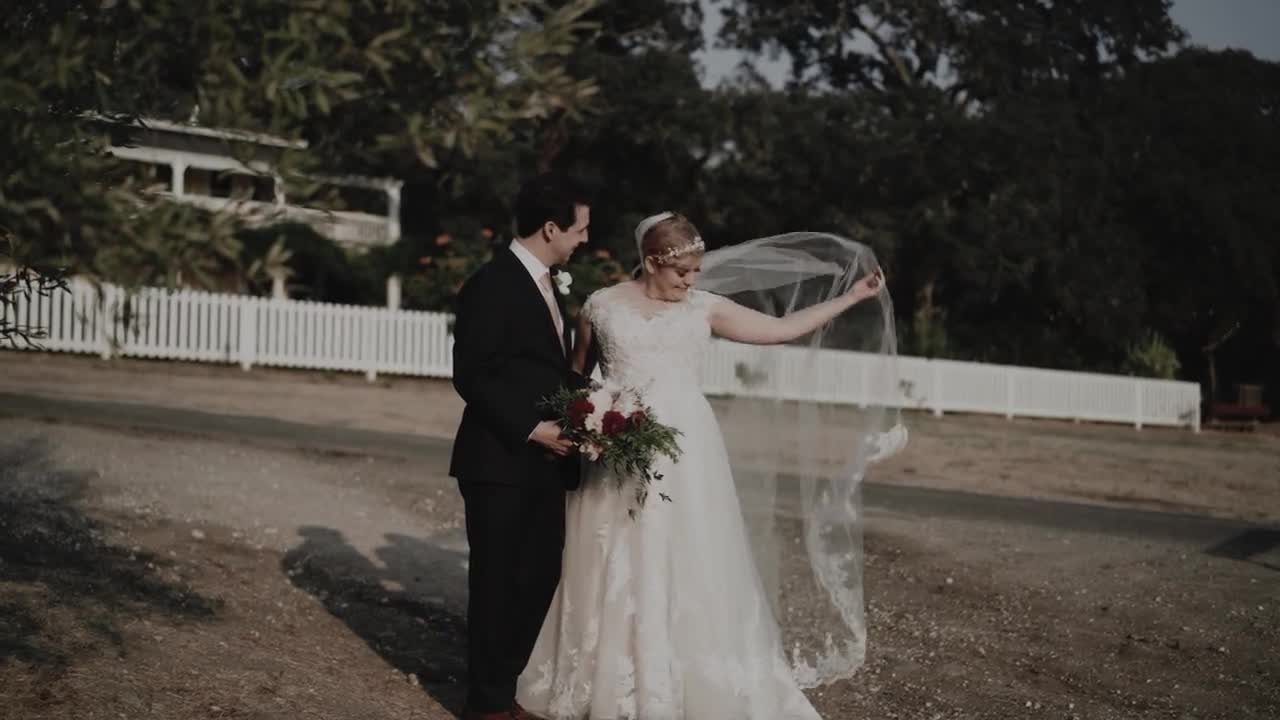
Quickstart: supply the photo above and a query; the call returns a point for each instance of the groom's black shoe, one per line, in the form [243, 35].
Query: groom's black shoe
[520, 713]
[477, 715]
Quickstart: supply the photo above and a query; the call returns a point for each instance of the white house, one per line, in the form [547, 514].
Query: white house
[232, 170]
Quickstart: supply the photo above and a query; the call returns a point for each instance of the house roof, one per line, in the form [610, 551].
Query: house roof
[156, 124]
[222, 133]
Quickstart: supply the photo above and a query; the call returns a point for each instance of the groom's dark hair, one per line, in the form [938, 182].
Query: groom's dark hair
[548, 197]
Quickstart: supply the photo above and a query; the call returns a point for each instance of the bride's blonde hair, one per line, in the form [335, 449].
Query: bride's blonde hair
[671, 238]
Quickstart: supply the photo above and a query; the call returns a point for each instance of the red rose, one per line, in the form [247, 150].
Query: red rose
[613, 423]
[637, 417]
[578, 411]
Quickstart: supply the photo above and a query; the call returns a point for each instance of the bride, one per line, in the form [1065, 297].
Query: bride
[665, 615]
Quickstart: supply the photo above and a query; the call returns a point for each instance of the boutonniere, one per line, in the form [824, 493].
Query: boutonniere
[563, 281]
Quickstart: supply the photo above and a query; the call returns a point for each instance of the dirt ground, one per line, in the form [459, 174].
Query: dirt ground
[1232, 475]
[150, 574]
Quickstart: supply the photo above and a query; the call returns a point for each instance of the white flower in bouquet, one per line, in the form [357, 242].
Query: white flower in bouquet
[601, 403]
[592, 451]
[628, 402]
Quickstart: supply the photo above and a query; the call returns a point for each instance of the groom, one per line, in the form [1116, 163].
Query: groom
[510, 350]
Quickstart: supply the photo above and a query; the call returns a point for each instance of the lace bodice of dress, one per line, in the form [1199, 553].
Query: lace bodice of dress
[663, 347]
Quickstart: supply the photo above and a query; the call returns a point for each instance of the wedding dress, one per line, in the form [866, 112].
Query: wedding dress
[661, 616]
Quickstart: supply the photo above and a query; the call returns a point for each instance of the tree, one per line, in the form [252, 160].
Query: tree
[990, 166]
[383, 84]
[643, 141]
[968, 51]
[1201, 158]
[653, 128]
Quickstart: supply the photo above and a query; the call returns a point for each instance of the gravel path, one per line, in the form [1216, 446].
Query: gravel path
[185, 541]
[1229, 475]
[208, 576]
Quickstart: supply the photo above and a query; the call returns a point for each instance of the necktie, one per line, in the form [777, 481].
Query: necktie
[548, 294]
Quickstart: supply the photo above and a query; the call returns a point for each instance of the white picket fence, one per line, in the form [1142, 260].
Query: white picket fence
[225, 328]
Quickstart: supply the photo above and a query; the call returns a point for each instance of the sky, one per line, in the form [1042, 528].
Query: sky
[1252, 25]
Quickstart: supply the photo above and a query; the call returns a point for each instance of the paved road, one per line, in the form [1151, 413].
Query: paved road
[1224, 537]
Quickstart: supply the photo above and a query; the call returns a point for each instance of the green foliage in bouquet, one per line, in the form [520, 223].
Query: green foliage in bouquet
[626, 439]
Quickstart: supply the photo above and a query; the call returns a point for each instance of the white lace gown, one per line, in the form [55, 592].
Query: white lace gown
[662, 616]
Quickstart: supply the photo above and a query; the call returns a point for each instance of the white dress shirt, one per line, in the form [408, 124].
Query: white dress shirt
[541, 275]
[538, 272]
[530, 262]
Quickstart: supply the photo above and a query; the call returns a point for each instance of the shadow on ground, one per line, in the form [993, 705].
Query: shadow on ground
[1253, 545]
[410, 610]
[64, 590]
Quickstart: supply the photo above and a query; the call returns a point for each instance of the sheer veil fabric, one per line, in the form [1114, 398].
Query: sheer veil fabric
[803, 423]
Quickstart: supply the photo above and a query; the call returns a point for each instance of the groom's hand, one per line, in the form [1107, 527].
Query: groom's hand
[547, 434]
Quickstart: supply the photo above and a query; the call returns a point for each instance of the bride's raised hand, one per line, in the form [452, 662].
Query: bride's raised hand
[868, 287]
[735, 322]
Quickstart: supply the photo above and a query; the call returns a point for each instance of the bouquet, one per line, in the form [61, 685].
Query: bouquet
[612, 425]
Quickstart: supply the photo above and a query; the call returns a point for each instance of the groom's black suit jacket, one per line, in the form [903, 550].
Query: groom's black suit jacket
[505, 361]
